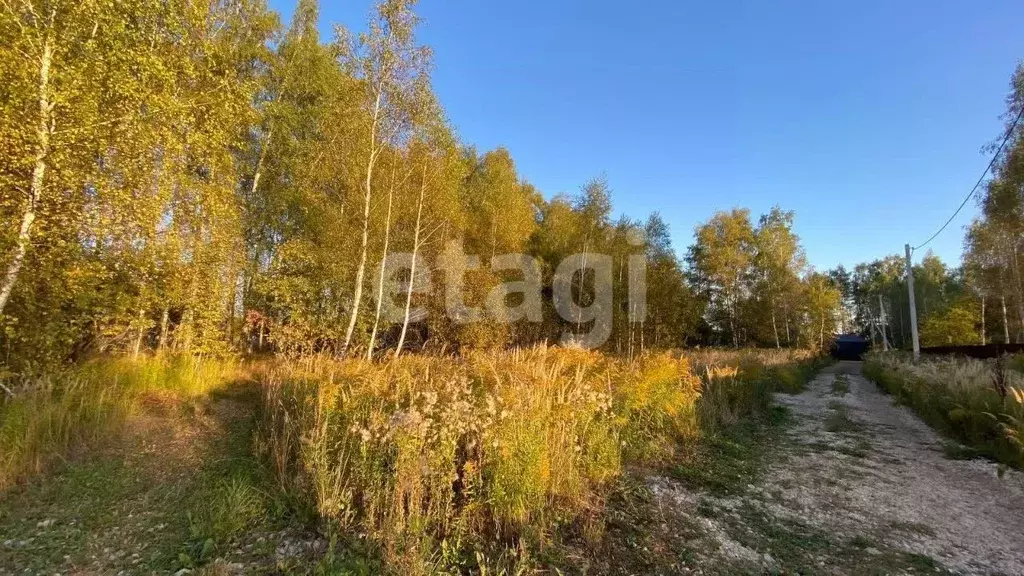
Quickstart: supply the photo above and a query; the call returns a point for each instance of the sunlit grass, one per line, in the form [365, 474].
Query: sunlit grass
[437, 459]
[53, 416]
[484, 461]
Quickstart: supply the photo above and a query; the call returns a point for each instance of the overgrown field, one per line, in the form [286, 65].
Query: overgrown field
[425, 464]
[977, 402]
[492, 460]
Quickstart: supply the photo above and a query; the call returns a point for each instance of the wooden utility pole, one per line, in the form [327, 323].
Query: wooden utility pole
[913, 305]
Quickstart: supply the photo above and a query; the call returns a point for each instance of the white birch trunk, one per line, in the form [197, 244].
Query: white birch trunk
[1020, 291]
[141, 334]
[1006, 323]
[412, 266]
[380, 280]
[164, 319]
[982, 320]
[775, 327]
[821, 334]
[357, 296]
[44, 129]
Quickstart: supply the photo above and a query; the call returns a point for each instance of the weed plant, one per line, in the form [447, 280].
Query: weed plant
[483, 462]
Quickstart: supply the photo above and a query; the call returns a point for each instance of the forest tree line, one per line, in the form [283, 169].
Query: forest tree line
[198, 178]
[981, 301]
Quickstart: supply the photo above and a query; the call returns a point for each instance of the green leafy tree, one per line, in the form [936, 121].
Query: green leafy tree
[721, 260]
[777, 264]
[823, 301]
[956, 325]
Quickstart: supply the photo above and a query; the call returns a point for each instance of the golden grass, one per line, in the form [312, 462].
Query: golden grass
[435, 459]
[747, 357]
[435, 463]
[84, 405]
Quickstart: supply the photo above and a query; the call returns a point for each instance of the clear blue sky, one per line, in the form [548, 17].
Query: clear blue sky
[866, 118]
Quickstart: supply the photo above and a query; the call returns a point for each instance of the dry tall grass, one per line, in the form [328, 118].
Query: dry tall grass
[448, 463]
[961, 397]
[52, 416]
[439, 464]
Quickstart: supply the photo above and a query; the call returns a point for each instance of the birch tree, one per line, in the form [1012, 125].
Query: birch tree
[393, 70]
[823, 300]
[778, 262]
[722, 255]
[383, 267]
[52, 115]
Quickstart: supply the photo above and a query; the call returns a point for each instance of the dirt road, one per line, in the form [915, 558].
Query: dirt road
[859, 486]
[896, 481]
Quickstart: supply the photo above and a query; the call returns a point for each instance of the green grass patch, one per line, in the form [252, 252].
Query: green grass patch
[726, 462]
[860, 449]
[233, 490]
[840, 385]
[82, 407]
[799, 548]
[95, 513]
[957, 451]
[838, 420]
[175, 492]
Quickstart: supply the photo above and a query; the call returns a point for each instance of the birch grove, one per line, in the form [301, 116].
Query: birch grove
[182, 178]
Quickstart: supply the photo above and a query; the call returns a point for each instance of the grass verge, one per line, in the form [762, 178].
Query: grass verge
[960, 397]
[56, 417]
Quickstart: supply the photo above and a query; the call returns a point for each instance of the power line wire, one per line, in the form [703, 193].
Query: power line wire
[991, 163]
